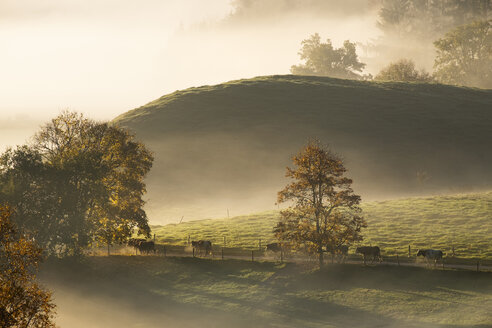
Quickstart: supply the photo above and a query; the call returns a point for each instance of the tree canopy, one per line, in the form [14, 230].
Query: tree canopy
[23, 303]
[464, 56]
[79, 183]
[417, 19]
[322, 59]
[404, 71]
[325, 210]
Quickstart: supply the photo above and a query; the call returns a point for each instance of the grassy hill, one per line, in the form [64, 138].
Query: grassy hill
[148, 291]
[226, 146]
[462, 221]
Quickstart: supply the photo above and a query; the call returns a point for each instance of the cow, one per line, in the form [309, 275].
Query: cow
[340, 252]
[274, 247]
[431, 254]
[146, 247]
[370, 251]
[200, 245]
[135, 243]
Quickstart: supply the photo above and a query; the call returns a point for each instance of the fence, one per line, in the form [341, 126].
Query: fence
[404, 258]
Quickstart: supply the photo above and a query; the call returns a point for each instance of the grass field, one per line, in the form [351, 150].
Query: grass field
[440, 222]
[141, 291]
[227, 145]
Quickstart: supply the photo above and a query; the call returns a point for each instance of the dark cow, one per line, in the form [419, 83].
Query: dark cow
[340, 252]
[135, 243]
[142, 245]
[202, 245]
[372, 252]
[146, 247]
[274, 247]
[431, 254]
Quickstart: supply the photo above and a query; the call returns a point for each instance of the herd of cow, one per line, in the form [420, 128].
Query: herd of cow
[142, 245]
[373, 253]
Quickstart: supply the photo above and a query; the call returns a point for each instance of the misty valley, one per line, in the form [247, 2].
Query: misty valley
[304, 163]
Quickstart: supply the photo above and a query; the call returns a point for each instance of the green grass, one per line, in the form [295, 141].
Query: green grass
[130, 291]
[440, 222]
[227, 145]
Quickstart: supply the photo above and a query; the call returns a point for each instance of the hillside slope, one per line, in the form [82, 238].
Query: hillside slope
[442, 222]
[226, 146]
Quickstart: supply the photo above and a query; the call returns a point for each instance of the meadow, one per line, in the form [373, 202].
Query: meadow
[227, 145]
[462, 222]
[150, 291]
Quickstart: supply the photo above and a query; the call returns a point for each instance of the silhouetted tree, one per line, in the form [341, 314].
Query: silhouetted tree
[404, 71]
[464, 56]
[325, 211]
[23, 304]
[322, 59]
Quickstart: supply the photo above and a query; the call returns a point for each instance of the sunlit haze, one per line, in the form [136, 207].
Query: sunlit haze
[103, 58]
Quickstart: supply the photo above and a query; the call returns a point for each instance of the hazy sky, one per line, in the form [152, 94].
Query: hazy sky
[104, 57]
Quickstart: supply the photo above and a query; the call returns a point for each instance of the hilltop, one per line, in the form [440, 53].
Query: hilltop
[226, 146]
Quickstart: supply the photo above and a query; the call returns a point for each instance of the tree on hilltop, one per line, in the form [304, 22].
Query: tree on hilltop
[403, 71]
[464, 56]
[322, 59]
[325, 210]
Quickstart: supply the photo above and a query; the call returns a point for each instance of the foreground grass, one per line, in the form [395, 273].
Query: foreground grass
[133, 291]
[442, 222]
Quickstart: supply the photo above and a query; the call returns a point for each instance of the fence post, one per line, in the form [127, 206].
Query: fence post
[193, 251]
[164, 251]
[398, 259]
[154, 238]
[224, 240]
[252, 256]
[409, 251]
[259, 244]
[189, 239]
[222, 252]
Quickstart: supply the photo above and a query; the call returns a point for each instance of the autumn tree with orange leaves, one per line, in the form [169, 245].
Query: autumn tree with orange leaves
[23, 303]
[325, 211]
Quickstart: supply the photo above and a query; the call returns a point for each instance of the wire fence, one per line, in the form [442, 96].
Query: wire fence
[258, 252]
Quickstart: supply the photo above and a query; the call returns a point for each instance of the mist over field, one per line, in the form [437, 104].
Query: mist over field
[225, 147]
[143, 146]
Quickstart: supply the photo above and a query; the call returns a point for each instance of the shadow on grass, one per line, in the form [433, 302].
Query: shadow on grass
[186, 292]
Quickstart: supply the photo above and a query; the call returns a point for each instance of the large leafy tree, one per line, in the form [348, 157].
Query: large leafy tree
[464, 56]
[325, 211]
[427, 19]
[23, 303]
[80, 182]
[322, 59]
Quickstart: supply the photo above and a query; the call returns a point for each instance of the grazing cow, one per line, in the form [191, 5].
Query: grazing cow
[431, 254]
[200, 245]
[274, 247]
[340, 252]
[370, 251]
